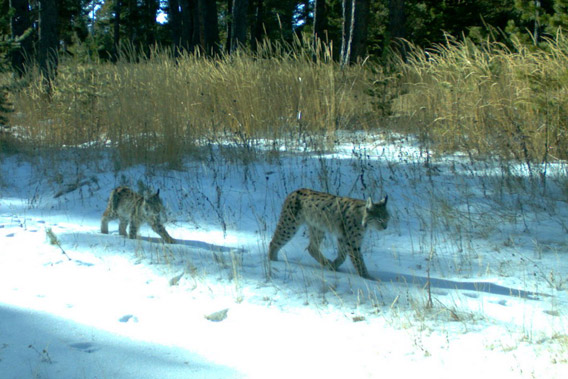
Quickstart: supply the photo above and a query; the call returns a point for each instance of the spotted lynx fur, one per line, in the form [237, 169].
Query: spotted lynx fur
[343, 217]
[132, 208]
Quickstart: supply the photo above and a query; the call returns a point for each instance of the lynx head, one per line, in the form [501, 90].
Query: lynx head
[154, 208]
[376, 214]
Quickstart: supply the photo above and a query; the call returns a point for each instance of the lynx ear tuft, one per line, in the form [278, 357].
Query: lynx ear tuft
[385, 199]
[158, 192]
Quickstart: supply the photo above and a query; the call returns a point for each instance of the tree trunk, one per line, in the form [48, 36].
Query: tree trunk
[196, 31]
[189, 36]
[148, 23]
[20, 23]
[229, 25]
[354, 31]
[208, 26]
[131, 22]
[360, 30]
[48, 40]
[397, 26]
[347, 11]
[536, 30]
[397, 19]
[257, 29]
[239, 24]
[116, 30]
[320, 20]
[174, 21]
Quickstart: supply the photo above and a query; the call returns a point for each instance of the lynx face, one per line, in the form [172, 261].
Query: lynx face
[132, 208]
[376, 214]
[154, 209]
[343, 217]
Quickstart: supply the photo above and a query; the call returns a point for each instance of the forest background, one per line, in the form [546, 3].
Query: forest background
[154, 78]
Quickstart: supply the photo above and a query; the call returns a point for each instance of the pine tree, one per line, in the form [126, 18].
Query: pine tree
[560, 17]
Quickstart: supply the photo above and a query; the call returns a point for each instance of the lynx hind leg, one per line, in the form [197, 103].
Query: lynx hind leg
[282, 235]
[285, 230]
[316, 236]
[288, 225]
[104, 224]
[108, 215]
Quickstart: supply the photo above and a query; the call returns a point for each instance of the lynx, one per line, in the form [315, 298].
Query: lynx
[343, 217]
[134, 209]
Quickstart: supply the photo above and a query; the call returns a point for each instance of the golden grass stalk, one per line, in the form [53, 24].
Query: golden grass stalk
[490, 99]
[160, 106]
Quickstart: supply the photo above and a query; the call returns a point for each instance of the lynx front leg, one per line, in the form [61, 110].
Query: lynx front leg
[343, 250]
[359, 263]
[316, 236]
[159, 229]
[122, 224]
[354, 251]
[133, 229]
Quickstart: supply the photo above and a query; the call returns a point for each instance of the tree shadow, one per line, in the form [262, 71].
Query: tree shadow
[58, 347]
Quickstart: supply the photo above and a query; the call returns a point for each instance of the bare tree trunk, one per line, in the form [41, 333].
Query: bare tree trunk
[208, 26]
[397, 19]
[149, 11]
[360, 30]
[116, 30]
[354, 31]
[240, 23]
[130, 22]
[48, 41]
[397, 26]
[174, 18]
[348, 13]
[181, 24]
[258, 25]
[320, 19]
[229, 25]
[536, 30]
[189, 24]
[20, 23]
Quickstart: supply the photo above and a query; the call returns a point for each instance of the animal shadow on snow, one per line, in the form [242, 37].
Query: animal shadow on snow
[195, 244]
[436, 283]
[81, 240]
[419, 281]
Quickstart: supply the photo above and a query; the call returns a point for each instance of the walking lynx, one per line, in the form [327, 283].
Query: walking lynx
[343, 217]
[132, 208]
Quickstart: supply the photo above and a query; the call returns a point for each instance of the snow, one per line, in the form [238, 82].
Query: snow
[484, 241]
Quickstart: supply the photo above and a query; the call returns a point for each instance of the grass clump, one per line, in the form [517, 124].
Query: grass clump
[489, 99]
[486, 99]
[161, 105]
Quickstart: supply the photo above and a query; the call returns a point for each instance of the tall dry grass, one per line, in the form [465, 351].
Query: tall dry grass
[489, 99]
[485, 99]
[161, 106]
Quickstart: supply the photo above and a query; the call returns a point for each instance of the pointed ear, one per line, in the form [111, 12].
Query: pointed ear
[369, 203]
[158, 192]
[385, 199]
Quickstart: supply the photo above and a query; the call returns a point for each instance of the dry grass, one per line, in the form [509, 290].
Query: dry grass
[159, 107]
[490, 99]
[486, 100]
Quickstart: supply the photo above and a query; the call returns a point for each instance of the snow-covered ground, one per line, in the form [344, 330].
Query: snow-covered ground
[472, 272]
